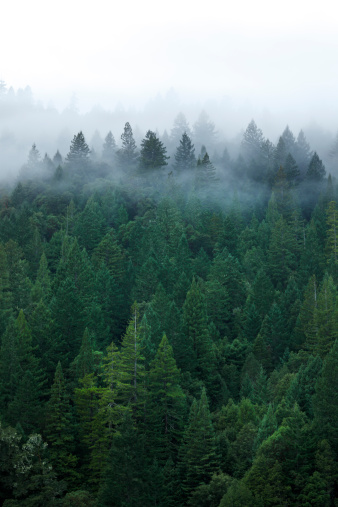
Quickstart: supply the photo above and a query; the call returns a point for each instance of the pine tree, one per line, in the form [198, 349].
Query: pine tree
[185, 155]
[128, 154]
[84, 362]
[316, 170]
[332, 233]
[199, 352]
[127, 466]
[325, 317]
[17, 359]
[79, 150]
[180, 127]
[90, 226]
[109, 148]
[198, 458]
[152, 154]
[252, 142]
[325, 403]
[131, 389]
[204, 131]
[5, 291]
[58, 429]
[166, 404]
[282, 253]
[205, 173]
[267, 427]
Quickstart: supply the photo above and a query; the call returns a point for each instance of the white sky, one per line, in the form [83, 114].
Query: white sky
[274, 54]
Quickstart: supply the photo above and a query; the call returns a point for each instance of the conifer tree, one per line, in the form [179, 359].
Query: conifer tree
[166, 405]
[185, 155]
[79, 150]
[109, 148]
[152, 154]
[325, 317]
[325, 403]
[84, 361]
[128, 154]
[198, 455]
[180, 127]
[332, 233]
[205, 173]
[199, 352]
[125, 477]
[90, 225]
[58, 429]
[131, 389]
[316, 170]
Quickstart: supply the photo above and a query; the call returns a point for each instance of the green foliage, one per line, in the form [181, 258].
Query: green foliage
[198, 452]
[237, 308]
[79, 150]
[153, 153]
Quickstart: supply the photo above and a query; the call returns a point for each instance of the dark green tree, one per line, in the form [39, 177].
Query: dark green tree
[198, 455]
[166, 406]
[79, 150]
[185, 155]
[152, 154]
[58, 429]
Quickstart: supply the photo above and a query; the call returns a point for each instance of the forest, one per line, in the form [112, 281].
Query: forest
[169, 324]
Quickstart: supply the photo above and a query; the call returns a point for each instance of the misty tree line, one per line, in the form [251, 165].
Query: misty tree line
[166, 340]
[259, 159]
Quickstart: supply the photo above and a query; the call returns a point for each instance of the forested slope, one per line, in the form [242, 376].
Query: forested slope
[169, 326]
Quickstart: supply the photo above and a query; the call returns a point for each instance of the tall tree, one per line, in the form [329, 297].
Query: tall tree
[58, 429]
[325, 403]
[198, 456]
[180, 127]
[166, 407]
[153, 153]
[79, 150]
[185, 155]
[127, 154]
[109, 148]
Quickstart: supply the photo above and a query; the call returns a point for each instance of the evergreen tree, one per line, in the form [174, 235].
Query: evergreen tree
[128, 154]
[303, 153]
[180, 128]
[109, 148]
[316, 170]
[252, 140]
[153, 153]
[204, 131]
[199, 355]
[90, 225]
[326, 317]
[58, 429]
[332, 233]
[127, 465]
[185, 154]
[198, 457]
[325, 404]
[166, 403]
[205, 173]
[79, 151]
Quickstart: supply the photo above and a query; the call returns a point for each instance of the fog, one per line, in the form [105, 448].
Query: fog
[92, 68]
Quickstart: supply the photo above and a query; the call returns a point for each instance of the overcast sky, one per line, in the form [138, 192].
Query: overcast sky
[280, 56]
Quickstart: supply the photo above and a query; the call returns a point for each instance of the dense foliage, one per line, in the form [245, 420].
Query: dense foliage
[169, 326]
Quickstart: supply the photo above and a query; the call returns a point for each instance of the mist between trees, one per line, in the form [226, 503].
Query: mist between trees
[168, 322]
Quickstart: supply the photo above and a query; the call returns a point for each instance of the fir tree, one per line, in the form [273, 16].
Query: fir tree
[79, 151]
[152, 154]
[185, 154]
[58, 429]
[198, 453]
